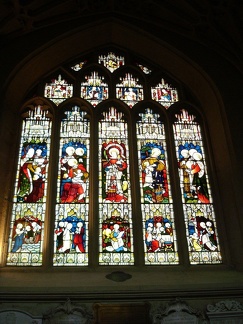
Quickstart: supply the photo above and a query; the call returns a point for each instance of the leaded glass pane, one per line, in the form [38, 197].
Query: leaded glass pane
[160, 243]
[164, 93]
[129, 90]
[111, 61]
[195, 190]
[115, 211]
[58, 90]
[145, 69]
[94, 89]
[29, 202]
[72, 208]
[77, 67]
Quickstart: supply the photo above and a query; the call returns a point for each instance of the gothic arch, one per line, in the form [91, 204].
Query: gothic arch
[64, 48]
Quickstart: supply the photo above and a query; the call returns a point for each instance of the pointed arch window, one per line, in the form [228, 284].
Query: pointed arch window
[115, 209]
[127, 160]
[160, 241]
[72, 208]
[29, 201]
[196, 194]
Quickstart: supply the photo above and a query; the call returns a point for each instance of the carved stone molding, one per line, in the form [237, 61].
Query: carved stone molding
[225, 306]
[178, 311]
[225, 312]
[15, 316]
[118, 276]
[68, 313]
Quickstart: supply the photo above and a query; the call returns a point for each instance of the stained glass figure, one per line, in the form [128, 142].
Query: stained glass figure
[72, 208]
[129, 90]
[195, 189]
[160, 241]
[115, 218]
[114, 174]
[29, 204]
[58, 90]
[145, 69]
[94, 89]
[154, 173]
[77, 67]
[164, 93]
[111, 61]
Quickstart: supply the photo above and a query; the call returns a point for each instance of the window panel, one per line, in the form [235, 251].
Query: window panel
[160, 243]
[129, 90]
[164, 93]
[29, 202]
[77, 67]
[195, 190]
[72, 208]
[115, 211]
[145, 69]
[58, 90]
[111, 61]
[94, 89]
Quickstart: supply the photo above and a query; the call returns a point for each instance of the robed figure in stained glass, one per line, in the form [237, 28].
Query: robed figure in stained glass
[193, 173]
[27, 229]
[116, 231]
[114, 171]
[74, 174]
[32, 172]
[154, 177]
[71, 234]
[195, 188]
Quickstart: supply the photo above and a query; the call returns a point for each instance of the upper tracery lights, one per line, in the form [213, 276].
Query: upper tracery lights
[129, 89]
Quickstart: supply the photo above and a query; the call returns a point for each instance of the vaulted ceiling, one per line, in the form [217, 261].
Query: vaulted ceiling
[217, 24]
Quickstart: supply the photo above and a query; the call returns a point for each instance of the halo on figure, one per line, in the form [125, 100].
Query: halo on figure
[115, 147]
[72, 162]
[155, 152]
[197, 156]
[202, 224]
[185, 153]
[192, 151]
[113, 152]
[30, 152]
[70, 150]
[79, 151]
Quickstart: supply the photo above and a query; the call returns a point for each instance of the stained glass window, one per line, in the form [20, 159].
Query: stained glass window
[72, 208]
[160, 242]
[94, 89]
[164, 93]
[195, 190]
[115, 216]
[129, 90]
[58, 90]
[114, 120]
[29, 203]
